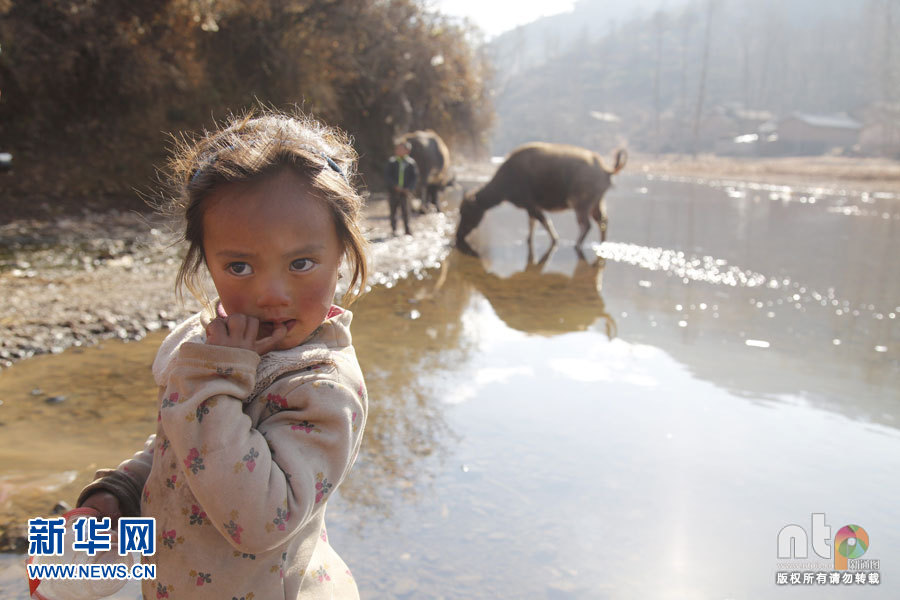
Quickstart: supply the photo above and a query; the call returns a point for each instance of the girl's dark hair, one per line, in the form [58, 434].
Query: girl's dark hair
[252, 147]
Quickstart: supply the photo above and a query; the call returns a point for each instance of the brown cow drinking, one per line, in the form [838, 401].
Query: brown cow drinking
[545, 177]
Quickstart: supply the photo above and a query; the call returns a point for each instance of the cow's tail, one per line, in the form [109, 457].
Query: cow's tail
[621, 159]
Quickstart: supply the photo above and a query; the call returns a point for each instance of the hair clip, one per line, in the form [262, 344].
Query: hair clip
[199, 171]
[209, 160]
[334, 166]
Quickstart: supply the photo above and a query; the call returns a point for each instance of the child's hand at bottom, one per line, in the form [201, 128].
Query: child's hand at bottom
[104, 503]
[240, 331]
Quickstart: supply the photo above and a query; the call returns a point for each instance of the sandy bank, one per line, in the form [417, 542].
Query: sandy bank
[862, 174]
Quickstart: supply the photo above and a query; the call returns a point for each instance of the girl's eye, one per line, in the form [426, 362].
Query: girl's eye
[239, 268]
[302, 264]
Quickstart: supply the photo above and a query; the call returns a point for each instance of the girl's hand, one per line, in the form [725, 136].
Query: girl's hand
[104, 503]
[240, 331]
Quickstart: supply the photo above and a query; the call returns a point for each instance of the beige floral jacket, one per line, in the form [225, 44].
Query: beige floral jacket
[247, 451]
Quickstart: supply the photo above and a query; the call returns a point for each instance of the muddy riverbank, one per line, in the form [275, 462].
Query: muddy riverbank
[74, 281]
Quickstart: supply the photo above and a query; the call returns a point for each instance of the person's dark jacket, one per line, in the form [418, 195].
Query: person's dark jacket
[410, 173]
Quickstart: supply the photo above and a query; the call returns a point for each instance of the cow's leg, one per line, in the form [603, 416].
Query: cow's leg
[548, 225]
[433, 197]
[545, 221]
[584, 225]
[530, 247]
[599, 214]
[530, 235]
[421, 192]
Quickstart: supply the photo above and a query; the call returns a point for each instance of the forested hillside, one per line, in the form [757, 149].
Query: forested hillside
[660, 80]
[90, 89]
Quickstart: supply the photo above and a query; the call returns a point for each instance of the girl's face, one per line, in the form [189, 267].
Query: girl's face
[273, 251]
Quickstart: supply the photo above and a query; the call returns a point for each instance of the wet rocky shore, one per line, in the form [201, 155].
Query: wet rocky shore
[73, 281]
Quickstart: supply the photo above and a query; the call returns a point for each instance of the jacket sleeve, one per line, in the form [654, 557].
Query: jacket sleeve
[412, 174]
[259, 486]
[125, 482]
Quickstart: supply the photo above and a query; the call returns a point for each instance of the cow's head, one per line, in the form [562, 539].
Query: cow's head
[470, 215]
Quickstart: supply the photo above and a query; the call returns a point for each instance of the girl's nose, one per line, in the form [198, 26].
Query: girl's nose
[274, 292]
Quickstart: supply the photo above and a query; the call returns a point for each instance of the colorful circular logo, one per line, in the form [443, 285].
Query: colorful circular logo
[851, 541]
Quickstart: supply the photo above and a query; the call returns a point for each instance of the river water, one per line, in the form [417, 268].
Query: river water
[638, 422]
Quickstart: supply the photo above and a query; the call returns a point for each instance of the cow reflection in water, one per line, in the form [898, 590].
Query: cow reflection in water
[403, 356]
[544, 303]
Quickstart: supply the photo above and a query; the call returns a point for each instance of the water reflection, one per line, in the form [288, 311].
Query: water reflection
[521, 501]
[405, 336]
[411, 337]
[545, 303]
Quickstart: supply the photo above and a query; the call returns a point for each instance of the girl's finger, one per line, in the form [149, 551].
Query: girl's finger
[216, 331]
[251, 331]
[267, 344]
[236, 325]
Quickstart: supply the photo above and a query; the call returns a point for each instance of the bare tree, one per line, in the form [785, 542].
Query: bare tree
[704, 65]
[889, 131]
[687, 24]
[887, 64]
[659, 24]
[746, 49]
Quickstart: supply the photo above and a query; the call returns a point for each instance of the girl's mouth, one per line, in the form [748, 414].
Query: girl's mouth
[267, 328]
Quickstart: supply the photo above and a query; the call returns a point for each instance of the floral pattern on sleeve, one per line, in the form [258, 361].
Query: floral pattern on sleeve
[282, 516]
[202, 410]
[170, 538]
[193, 461]
[201, 576]
[233, 529]
[276, 403]
[322, 574]
[323, 486]
[305, 426]
[249, 461]
[196, 515]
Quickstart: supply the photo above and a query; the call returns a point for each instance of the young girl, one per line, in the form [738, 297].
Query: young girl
[261, 400]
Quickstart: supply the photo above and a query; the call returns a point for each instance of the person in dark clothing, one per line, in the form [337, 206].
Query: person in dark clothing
[401, 174]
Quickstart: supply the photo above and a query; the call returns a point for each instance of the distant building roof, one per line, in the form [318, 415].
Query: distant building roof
[736, 110]
[753, 115]
[605, 116]
[836, 121]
